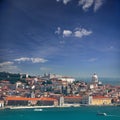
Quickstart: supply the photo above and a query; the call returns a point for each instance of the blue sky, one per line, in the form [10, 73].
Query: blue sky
[67, 37]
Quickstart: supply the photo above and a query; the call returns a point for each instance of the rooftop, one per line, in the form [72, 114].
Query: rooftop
[27, 99]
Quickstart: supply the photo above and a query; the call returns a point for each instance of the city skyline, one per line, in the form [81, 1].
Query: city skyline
[68, 37]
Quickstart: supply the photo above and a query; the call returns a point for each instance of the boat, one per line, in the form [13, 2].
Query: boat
[38, 109]
[103, 114]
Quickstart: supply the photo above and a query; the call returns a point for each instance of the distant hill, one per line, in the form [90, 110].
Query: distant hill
[12, 77]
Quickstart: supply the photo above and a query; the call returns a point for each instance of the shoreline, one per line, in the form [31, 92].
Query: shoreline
[64, 106]
[27, 107]
[35, 107]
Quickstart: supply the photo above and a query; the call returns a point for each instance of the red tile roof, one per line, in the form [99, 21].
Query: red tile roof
[27, 99]
[100, 97]
[73, 97]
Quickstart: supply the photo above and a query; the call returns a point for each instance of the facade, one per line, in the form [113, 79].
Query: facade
[23, 101]
[72, 99]
[50, 76]
[100, 100]
[96, 100]
[18, 84]
[87, 100]
[61, 101]
[1, 103]
[68, 79]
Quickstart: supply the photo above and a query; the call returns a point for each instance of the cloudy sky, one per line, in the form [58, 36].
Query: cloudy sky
[67, 37]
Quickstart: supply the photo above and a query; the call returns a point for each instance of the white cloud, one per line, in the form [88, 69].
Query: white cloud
[33, 60]
[67, 33]
[98, 4]
[5, 63]
[8, 67]
[58, 31]
[65, 2]
[86, 4]
[38, 60]
[22, 59]
[80, 32]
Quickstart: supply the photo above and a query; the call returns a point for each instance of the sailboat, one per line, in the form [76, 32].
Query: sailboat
[103, 114]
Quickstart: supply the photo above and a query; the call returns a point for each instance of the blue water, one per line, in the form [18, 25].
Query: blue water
[80, 113]
[112, 81]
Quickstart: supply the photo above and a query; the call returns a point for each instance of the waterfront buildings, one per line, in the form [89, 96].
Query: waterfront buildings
[96, 100]
[72, 99]
[2, 103]
[56, 90]
[23, 101]
[100, 100]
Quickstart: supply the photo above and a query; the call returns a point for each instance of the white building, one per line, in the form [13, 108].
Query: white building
[59, 77]
[91, 86]
[61, 101]
[68, 79]
[18, 84]
[1, 103]
[51, 76]
[95, 78]
[27, 75]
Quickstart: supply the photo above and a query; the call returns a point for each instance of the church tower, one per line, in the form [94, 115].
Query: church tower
[95, 78]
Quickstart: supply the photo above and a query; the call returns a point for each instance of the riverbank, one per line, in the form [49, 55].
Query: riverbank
[27, 107]
[65, 105]
[34, 107]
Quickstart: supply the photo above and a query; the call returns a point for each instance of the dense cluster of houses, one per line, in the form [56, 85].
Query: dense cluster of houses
[56, 90]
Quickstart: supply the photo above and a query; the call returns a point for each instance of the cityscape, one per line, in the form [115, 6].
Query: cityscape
[60, 59]
[52, 90]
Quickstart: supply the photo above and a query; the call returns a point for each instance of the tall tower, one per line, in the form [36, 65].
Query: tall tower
[27, 75]
[94, 78]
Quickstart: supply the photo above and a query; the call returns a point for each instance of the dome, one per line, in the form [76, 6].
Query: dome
[95, 78]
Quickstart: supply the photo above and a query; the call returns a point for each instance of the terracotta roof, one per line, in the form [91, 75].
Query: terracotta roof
[100, 97]
[26, 99]
[72, 97]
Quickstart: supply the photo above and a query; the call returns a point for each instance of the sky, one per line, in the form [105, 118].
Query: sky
[67, 37]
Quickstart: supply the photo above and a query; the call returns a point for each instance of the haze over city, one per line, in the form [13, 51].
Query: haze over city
[68, 37]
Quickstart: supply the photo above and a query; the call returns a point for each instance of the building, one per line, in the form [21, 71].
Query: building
[61, 101]
[96, 100]
[87, 100]
[50, 76]
[100, 100]
[67, 79]
[1, 103]
[18, 84]
[23, 101]
[95, 78]
[72, 99]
